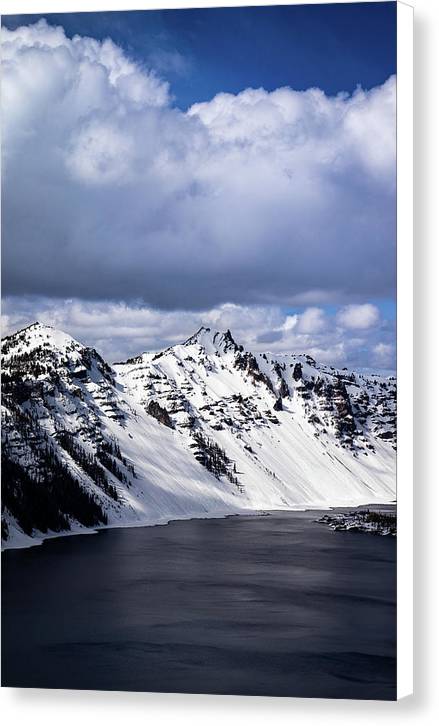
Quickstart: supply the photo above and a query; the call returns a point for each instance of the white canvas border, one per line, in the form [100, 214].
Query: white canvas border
[405, 349]
[15, 7]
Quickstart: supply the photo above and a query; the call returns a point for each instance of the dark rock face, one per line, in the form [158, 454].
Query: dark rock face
[158, 412]
[386, 435]
[278, 405]
[345, 419]
[297, 372]
[248, 363]
[90, 357]
[227, 342]
[335, 400]
[80, 373]
[284, 391]
[319, 386]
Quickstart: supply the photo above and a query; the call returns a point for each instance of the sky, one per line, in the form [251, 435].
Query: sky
[227, 167]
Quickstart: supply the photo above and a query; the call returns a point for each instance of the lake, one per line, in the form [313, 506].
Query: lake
[274, 605]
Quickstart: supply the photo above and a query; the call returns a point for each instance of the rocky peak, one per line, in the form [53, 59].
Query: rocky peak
[197, 337]
[214, 341]
[35, 336]
[40, 350]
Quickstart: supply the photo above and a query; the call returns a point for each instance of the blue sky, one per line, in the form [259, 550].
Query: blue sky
[145, 174]
[334, 47]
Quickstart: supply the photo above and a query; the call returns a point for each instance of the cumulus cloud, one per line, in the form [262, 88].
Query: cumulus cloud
[358, 317]
[260, 198]
[312, 320]
[120, 330]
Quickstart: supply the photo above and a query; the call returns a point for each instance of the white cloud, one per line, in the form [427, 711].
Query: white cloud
[312, 321]
[289, 323]
[262, 198]
[101, 154]
[121, 330]
[332, 355]
[358, 317]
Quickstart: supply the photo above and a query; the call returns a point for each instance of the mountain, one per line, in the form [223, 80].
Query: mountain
[204, 428]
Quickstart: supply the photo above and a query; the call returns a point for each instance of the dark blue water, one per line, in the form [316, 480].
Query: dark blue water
[277, 605]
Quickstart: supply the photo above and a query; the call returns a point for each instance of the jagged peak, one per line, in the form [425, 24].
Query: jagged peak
[214, 340]
[198, 336]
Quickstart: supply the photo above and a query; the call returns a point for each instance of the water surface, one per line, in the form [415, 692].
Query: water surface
[267, 605]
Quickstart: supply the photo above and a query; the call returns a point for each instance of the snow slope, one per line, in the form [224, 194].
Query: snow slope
[204, 428]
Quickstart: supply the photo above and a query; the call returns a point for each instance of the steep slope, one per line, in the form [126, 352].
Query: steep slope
[201, 429]
[77, 452]
[295, 433]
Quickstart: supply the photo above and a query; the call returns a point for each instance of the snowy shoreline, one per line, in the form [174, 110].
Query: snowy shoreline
[23, 541]
[377, 522]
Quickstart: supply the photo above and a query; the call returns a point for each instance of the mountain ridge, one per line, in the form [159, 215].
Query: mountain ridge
[201, 428]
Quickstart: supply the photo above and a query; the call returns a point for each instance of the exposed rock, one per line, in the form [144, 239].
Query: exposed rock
[247, 362]
[386, 435]
[158, 412]
[278, 405]
[279, 369]
[373, 522]
[297, 372]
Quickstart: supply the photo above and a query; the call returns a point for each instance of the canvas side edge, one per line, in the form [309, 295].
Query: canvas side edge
[405, 349]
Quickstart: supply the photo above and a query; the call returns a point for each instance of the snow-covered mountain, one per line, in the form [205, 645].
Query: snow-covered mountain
[204, 428]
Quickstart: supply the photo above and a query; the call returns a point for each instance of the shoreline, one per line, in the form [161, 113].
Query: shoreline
[47, 537]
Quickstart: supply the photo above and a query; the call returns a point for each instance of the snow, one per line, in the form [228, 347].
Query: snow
[282, 459]
[37, 335]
